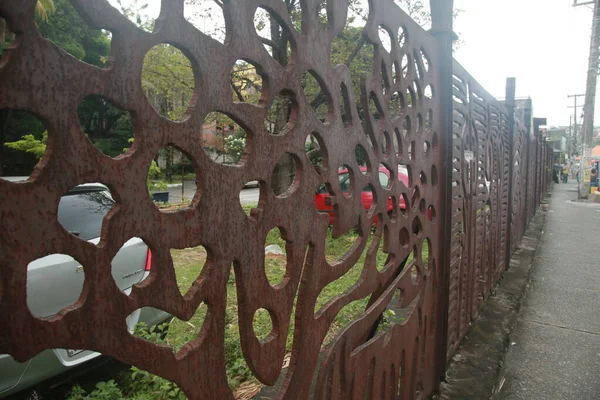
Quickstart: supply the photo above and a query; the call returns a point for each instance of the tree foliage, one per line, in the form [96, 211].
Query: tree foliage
[29, 144]
[168, 76]
[234, 146]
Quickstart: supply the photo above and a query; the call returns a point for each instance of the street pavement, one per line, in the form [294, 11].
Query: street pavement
[554, 351]
[247, 195]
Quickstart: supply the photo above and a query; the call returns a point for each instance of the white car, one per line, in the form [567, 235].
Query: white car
[56, 281]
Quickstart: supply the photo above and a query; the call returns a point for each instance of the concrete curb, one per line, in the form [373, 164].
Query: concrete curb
[474, 370]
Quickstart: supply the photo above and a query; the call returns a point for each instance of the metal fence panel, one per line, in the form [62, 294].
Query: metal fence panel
[366, 360]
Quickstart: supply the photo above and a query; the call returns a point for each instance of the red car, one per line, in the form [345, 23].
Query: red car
[366, 195]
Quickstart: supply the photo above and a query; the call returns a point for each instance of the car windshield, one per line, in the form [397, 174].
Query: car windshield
[82, 213]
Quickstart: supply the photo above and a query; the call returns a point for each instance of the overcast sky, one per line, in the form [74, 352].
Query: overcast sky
[544, 44]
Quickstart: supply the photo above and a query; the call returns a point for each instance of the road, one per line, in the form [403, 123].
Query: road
[247, 195]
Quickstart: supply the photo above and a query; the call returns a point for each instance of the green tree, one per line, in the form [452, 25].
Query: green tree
[29, 144]
[43, 8]
[67, 30]
[60, 23]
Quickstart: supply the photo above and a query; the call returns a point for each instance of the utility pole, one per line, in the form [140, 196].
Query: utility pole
[576, 107]
[590, 98]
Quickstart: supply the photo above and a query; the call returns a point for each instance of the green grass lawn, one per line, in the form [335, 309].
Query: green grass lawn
[189, 262]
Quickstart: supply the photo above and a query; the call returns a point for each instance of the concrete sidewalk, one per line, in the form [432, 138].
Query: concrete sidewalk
[554, 350]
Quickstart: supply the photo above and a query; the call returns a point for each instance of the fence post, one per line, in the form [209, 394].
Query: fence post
[527, 122]
[539, 160]
[510, 107]
[442, 30]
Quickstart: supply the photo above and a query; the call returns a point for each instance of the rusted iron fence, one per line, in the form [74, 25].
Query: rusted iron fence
[495, 190]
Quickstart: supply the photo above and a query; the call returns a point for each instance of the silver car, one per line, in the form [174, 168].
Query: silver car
[56, 281]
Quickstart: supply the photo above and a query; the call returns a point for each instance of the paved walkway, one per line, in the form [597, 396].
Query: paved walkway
[555, 346]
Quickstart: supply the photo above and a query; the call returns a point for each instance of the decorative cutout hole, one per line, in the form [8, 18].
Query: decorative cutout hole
[247, 83]
[235, 364]
[423, 178]
[154, 328]
[276, 257]
[396, 104]
[424, 60]
[410, 98]
[316, 151]
[417, 92]
[422, 206]
[412, 151]
[402, 36]
[425, 248]
[284, 179]
[431, 214]
[386, 144]
[416, 197]
[317, 95]
[9, 42]
[385, 38]
[25, 144]
[426, 147]
[108, 127]
[428, 119]
[414, 274]
[60, 23]
[392, 208]
[172, 181]
[428, 92]
[362, 159]
[322, 12]
[382, 258]
[404, 174]
[341, 247]
[207, 17]
[405, 65]
[223, 140]
[82, 209]
[417, 228]
[418, 69]
[269, 35]
[395, 72]
[171, 95]
[345, 107]
[323, 202]
[375, 107]
[369, 199]
[263, 325]
[385, 81]
[54, 283]
[251, 195]
[406, 127]
[188, 265]
[403, 204]
[397, 139]
[346, 180]
[386, 177]
[280, 118]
